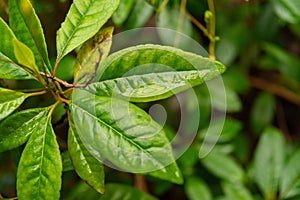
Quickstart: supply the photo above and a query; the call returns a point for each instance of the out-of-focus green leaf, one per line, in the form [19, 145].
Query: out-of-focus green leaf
[116, 191]
[236, 191]
[9, 101]
[16, 129]
[284, 61]
[268, 161]
[139, 15]
[27, 28]
[124, 135]
[236, 80]
[230, 129]
[196, 189]
[40, 168]
[262, 112]
[66, 161]
[123, 11]
[86, 165]
[10, 70]
[290, 177]
[91, 54]
[83, 20]
[223, 166]
[288, 10]
[171, 18]
[152, 72]
[65, 69]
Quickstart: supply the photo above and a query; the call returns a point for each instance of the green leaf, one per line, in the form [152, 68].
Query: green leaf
[152, 72]
[139, 15]
[84, 19]
[236, 191]
[16, 129]
[90, 55]
[196, 189]
[40, 168]
[9, 101]
[116, 191]
[27, 27]
[10, 70]
[223, 166]
[288, 10]
[268, 161]
[66, 161]
[6, 40]
[262, 112]
[86, 165]
[123, 11]
[123, 134]
[26, 59]
[290, 177]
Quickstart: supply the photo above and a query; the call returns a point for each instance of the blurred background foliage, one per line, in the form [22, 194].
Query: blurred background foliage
[257, 155]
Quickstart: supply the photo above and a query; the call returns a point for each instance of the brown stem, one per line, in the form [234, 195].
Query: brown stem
[64, 83]
[275, 89]
[140, 183]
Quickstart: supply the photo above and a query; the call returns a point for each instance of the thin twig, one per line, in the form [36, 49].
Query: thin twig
[198, 24]
[64, 83]
[275, 89]
[212, 29]
[140, 183]
[180, 22]
[37, 93]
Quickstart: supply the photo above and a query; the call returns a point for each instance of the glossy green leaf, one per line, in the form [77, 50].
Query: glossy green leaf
[139, 15]
[25, 59]
[27, 28]
[262, 112]
[40, 168]
[9, 101]
[16, 129]
[151, 72]
[123, 11]
[116, 191]
[196, 189]
[86, 165]
[10, 70]
[236, 191]
[268, 161]
[290, 177]
[223, 166]
[288, 10]
[123, 134]
[6, 40]
[90, 55]
[84, 19]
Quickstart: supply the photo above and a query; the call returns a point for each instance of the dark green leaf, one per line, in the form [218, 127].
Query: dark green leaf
[196, 189]
[116, 191]
[86, 165]
[223, 166]
[236, 191]
[9, 101]
[66, 161]
[268, 161]
[10, 70]
[6, 40]
[40, 168]
[262, 112]
[151, 72]
[290, 178]
[123, 134]
[90, 55]
[123, 11]
[16, 129]
[27, 28]
[83, 20]
[139, 15]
